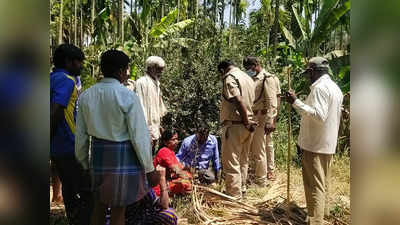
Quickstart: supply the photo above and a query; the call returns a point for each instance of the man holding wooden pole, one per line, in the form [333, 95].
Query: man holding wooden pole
[320, 117]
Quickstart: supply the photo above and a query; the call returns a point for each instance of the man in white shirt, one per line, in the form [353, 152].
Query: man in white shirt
[120, 159]
[149, 92]
[320, 118]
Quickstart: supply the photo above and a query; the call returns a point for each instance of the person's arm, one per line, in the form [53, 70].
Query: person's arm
[139, 133]
[269, 103]
[141, 93]
[81, 139]
[278, 108]
[181, 152]
[216, 163]
[56, 116]
[232, 92]
[164, 198]
[318, 108]
[61, 90]
[278, 98]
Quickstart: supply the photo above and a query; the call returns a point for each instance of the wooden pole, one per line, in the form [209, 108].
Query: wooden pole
[289, 149]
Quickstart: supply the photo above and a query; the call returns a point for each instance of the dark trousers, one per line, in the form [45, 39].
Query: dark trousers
[78, 199]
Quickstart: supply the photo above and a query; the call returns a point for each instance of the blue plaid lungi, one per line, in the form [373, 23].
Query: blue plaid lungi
[118, 178]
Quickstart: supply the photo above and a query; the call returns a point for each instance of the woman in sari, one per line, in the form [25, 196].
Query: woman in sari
[179, 180]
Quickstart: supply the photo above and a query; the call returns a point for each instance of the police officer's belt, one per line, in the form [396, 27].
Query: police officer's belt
[262, 111]
[231, 122]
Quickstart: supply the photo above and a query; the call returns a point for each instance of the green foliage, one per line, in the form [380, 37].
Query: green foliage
[193, 45]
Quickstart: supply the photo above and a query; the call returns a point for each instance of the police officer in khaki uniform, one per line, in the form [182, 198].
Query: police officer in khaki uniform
[262, 103]
[238, 124]
[265, 108]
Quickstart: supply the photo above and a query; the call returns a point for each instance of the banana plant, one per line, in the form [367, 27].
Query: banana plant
[328, 19]
[166, 29]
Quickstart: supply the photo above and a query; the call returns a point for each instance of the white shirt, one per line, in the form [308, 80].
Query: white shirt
[110, 111]
[154, 109]
[320, 117]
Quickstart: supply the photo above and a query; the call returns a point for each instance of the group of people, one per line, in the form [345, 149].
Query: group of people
[104, 141]
[249, 111]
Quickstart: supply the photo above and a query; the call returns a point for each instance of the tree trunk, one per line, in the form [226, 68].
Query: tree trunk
[221, 16]
[178, 10]
[81, 29]
[60, 26]
[276, 25]
[237, 12]
[92, 20]
[120, 31]
[197, 13]
[215, 12]
[71, 29]
[162, 8]
[230, 22]
[75, 22]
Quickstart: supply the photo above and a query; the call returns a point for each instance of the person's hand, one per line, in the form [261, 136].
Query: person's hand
[269, 128]
[153, 178]
[290, 96]
[186, 167]
[161, 170]
[251, 126]
[219, 175]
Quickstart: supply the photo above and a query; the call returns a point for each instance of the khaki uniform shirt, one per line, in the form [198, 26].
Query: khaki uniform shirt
[236, 83]
[154, 109]
[266, 90]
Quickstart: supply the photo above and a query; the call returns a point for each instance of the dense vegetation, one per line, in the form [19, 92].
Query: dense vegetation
[193, 36]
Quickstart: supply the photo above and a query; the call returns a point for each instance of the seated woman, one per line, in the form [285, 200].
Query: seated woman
[179, 180]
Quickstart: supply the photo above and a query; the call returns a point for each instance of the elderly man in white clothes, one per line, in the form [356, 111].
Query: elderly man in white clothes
[149, 92]
[319, 126]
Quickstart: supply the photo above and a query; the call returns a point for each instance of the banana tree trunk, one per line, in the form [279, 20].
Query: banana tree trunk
[92, 20]
[60, 26]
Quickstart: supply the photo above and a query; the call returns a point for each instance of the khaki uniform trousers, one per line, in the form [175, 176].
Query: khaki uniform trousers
[257, 151]
[236, 140]
[316, 176]
[270, 153]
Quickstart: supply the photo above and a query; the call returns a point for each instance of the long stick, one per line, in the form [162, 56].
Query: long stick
[289, 149]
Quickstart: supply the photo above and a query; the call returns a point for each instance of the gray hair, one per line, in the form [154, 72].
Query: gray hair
[155, 61]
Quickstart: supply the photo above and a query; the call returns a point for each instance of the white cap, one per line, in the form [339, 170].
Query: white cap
[155, 61]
